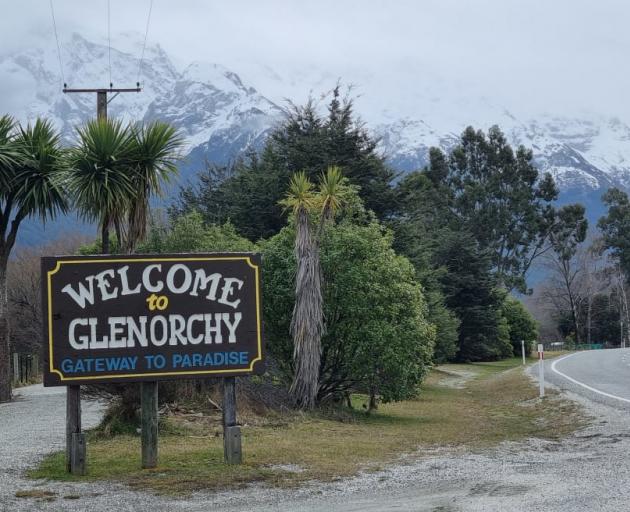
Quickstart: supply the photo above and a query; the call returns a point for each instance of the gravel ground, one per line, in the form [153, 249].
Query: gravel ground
[589, 471]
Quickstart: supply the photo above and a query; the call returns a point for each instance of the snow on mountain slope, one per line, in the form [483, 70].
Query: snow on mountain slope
[221, 116]
[207, 102]
[580, 153]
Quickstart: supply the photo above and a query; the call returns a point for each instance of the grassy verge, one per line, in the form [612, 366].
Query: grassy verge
[475, 406]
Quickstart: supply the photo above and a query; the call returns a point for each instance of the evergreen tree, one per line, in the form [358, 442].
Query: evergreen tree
[470, 290]
[605, 325]
[422, 222]
[247, 193]
[497, 194]
[615, 227]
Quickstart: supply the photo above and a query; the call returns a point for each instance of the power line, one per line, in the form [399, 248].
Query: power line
[52, 12]
[144, 45]
[109, 42]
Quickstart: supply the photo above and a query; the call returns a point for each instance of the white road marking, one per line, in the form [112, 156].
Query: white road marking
[586, 386]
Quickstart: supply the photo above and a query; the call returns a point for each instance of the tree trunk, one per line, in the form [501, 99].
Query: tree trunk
[5, 346]
[574, 318]
[372, 404]
[307, 322]
[119, 237]
[105, 237]
[576, 325]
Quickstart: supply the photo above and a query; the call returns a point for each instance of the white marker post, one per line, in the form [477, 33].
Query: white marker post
[541, 369]
[523, 350]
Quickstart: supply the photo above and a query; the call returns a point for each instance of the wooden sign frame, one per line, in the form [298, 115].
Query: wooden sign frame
[102, 316]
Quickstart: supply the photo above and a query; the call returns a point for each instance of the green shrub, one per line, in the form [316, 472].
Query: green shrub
[377, 337]
[522, 325]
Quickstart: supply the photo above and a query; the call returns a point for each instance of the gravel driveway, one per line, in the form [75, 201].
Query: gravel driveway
[589, 471]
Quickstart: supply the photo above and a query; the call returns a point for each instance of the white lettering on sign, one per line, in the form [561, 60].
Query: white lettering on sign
[146, 279]
[127, 332]
[85, 294]
[178, 280]
[124, 281]
[170, 279]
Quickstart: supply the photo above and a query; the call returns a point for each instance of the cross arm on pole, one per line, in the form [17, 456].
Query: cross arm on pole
[101, 96]
[105, 90]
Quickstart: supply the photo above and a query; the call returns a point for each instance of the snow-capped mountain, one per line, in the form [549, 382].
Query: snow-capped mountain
[583, 154]
[221, 116]
[218, 115]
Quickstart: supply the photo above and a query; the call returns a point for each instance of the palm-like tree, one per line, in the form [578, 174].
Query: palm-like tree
[333, 189]
[9, 153]
[32, 181]
[116, 169]
[156, 149]
[101, 179]
[307, 322]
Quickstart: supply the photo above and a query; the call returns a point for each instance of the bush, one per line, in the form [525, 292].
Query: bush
[521, 324]
[377, 338]
[188, 233]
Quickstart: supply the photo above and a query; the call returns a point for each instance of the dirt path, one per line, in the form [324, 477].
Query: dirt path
[588, 471]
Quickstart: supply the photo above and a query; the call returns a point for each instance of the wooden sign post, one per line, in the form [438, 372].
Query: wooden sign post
[149, 406]
[147, 318]
[73, 428]
[231, 431]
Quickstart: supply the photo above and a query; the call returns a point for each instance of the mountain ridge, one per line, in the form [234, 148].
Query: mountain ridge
[221, 116]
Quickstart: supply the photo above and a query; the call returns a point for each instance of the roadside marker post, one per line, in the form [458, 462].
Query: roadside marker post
[523, 350]
[541, 369]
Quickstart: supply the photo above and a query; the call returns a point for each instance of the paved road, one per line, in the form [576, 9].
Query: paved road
[601, 375]
[589, 471]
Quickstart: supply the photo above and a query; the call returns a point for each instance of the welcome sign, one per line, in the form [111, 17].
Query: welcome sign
[151, 317]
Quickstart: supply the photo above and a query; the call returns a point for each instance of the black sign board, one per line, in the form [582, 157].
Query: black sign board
[151, 317]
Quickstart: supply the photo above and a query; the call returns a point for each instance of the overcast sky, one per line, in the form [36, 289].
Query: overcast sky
[555, 56]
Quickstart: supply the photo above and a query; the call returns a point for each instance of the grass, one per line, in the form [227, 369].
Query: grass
[34, 493]
[493, 402]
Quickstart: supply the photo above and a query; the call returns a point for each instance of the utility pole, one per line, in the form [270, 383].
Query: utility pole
[75, 438]
[101, 96]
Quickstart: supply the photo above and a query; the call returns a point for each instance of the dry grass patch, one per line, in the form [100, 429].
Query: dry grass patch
[497, 403]
[35, 493]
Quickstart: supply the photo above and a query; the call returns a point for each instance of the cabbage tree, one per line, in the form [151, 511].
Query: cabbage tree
[32, 184]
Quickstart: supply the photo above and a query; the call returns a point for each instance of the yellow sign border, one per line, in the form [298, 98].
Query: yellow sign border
[247, 260]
